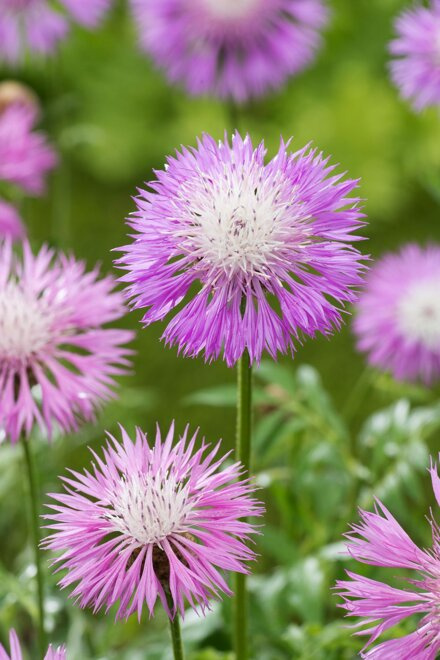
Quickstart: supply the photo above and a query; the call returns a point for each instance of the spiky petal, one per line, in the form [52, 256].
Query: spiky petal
[15, 650]
[249, 255]
[379, 540]
[57, 358]
[149, 518]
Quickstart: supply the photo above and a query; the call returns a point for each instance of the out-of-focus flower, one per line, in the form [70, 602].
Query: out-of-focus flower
[253, 255]
[379, 540]
[15, 650]
[57, 361]
[151, 522]
[416, 67]
[398, 314]
[38, 25]
[11, 225]
[25, 156]
[13, 92]
[231, 48]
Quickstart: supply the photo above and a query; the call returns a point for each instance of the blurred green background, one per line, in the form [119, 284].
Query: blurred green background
[321, 449]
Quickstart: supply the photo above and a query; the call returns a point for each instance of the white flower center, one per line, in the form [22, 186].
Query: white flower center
[25, 324]
[419, 314]
[229, 9]
[238, 226]
[149, 508]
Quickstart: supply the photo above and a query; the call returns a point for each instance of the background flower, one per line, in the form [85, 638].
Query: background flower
[11, 225]
[38, 26]
[15, 650]
[416, 69]
[398, 315]
[25, 155]
[232, 48]
[148, 520]
[57, 361]
[269, 246]
[379, 540]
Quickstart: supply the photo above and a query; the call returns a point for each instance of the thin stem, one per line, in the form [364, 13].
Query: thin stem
[243, 454]
[35, 529]
[358, 393]
[176, 633]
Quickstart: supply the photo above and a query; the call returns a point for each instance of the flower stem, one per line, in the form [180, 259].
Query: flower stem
[176, 637]
[35, 529]
[243, 454]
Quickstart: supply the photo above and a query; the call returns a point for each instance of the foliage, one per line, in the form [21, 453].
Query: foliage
[328, 435]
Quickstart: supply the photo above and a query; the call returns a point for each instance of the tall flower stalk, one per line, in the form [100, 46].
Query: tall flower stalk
[243, 453]
[153, 521]
[34, 501]
[176, 633]
[243, 257]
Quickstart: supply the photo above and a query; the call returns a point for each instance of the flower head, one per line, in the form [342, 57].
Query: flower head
[398, 315]
[152, 521]
[416, 67]
[266, 245]
[15, 650]
[57, 361]
[232, 48]
[38, 25]
[11, 225]
[379, 540]
[25, 156]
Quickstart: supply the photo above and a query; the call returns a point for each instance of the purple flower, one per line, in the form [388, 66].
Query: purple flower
[15, 650]
[25, 156]
[416, 69]
[37, 26]
[152, 521]
[11, 225]
[398, 315]
[57, 362]
[232, 48]
[252, 255]
[379, 540]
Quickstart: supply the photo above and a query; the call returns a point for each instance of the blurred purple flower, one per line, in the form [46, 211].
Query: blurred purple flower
[398, 315]
[38, 26]
[231, 48]
[268, 247]
[25, 156]
[11, 225]
[15, 650]
[379, 540]
[416, 69]
[151, 521]
[57, 362]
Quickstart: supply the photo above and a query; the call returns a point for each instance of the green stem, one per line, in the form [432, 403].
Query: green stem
[35, 529]
[358, 393]
[243, 454]
[176, 633]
